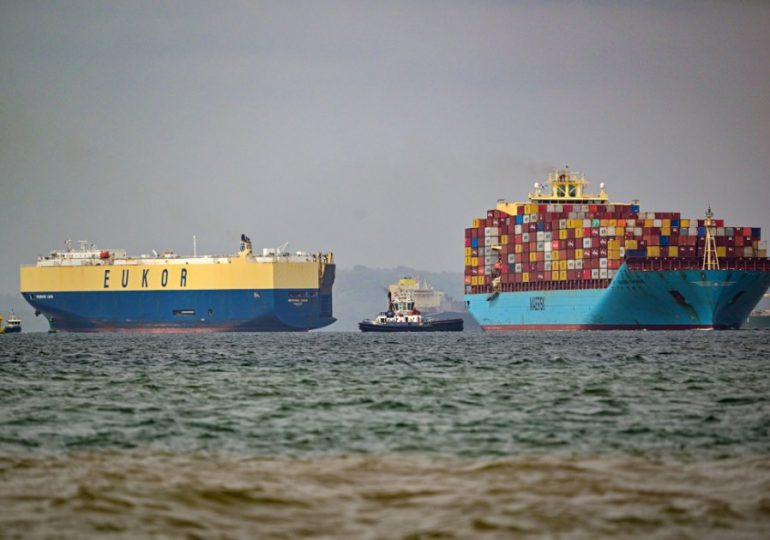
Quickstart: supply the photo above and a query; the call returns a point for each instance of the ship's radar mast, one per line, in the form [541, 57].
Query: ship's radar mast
[710, 257]
[564, 185]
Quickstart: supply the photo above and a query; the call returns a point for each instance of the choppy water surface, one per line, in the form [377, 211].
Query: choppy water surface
[598, 434]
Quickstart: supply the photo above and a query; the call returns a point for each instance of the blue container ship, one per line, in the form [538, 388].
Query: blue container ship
[569, 260]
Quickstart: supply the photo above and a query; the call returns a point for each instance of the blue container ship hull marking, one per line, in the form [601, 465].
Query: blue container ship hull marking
[654, 300]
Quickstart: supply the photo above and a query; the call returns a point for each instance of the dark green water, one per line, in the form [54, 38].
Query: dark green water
[597, 434]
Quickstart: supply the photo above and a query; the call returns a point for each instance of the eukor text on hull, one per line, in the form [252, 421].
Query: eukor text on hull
[571, 260]
[90, 290]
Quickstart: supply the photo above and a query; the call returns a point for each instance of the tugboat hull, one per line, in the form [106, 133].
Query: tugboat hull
[448, 325]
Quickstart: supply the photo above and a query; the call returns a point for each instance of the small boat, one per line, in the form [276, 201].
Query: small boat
[402, 316]
[13, 326]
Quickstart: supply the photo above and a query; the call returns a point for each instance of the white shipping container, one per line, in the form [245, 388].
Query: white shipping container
[748, 251]
[547, 256]
[540, 236]
[638, 231]
[547, 236]
[547, 247]
[602, 231]
[533, 218]
[602, 273]
[525, 237]
[578, 264]
[517, 268]
[611, 231]
[631, 223]
[487, 271]
[562, 223]
[762, 244]
[489, 260]
[517, 229]
[559, 208]
[540, 246]
[657, 222]
[602, 263]
[586, 243]
[586, 223]
[547, 265]
[571, 264]
[622, 252]
[611, 274]
[720, 231]
[511, 258]
[549, 208]
[595, 273]
[525, 218]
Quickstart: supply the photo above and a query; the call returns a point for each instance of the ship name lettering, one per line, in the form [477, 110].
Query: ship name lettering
[145, 273]
[106, 279]
[164, 277]
[124, 278]
[183, 278]
[537, 303]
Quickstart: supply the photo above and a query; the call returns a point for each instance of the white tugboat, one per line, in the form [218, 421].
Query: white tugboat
[402, 316]
[13, 326]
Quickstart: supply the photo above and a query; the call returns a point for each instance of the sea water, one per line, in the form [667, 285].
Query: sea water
[347, 435]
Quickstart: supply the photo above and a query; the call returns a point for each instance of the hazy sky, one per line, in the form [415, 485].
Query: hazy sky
[377, 130]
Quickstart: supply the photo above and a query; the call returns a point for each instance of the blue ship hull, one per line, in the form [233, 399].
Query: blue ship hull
[654, 300]
[185, 311]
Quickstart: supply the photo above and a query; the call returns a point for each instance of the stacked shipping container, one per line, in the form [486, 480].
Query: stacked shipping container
[576, 246]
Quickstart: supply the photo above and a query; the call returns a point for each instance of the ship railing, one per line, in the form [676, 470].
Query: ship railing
[544, 285]
[652, 264]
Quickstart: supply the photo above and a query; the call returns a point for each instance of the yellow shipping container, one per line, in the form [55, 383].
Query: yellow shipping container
[473, 280]
[468, 261]
[665, 231]
[532, 256]
[613, 223]
[555, 275]
[555, 255]
[518, 248]
[721, 251]
[684, 223]
[653, 251]
[604, 223]
[579, 232]
[525, 277]
[467, 252]
[673, 251]
[649, 223]
[631, 244]
[666, 223]
[562, 234]
[503, 239]
[563, 265]
[579, 254]
[474, 261]
[613, 254]
[476, 223]
[562, 275]
[613, 244]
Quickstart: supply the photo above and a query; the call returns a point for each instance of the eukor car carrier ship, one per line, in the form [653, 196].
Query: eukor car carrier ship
[90, 290]
[571, 260]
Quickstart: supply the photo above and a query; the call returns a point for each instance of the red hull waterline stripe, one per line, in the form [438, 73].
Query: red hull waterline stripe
[524, 327]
